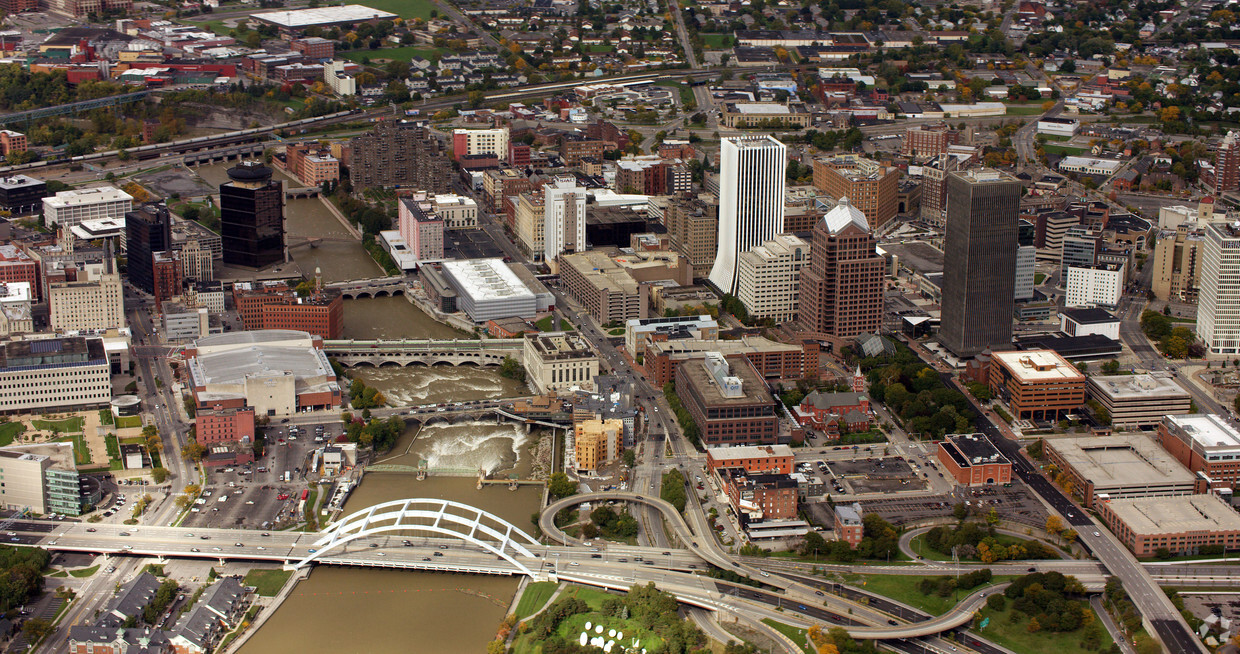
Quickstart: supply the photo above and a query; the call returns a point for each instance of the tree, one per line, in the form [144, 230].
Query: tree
[1054, 525]
[561, 486]
[630, 458]
[1069, 535]
[1034, 626]
[828, 648]
[36, 629]
[160, 475]
[194, 451]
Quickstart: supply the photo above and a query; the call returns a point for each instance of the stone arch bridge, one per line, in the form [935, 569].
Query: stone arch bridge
[401, 353]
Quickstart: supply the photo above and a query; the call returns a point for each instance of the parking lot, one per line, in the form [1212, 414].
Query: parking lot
[1015, 504]
[469, 244]
[880, 475]
[256, 496]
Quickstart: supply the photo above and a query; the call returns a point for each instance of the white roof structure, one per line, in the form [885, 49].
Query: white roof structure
[487, 279]
[1037, 365]
[761, 108]
[1208, 431]
[749, 451]
[843, 215]
[86, 196]
[298, 18]
[231, 358]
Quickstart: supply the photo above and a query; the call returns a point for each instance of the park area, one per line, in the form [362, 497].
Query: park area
[620, 618]
[87, 431]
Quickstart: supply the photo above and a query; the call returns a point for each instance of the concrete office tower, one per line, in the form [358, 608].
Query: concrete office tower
[1227, 165]
[252, 217]
[1218, 303]
[842, 289]
[980, 247]
[564, 218]
[751, 201]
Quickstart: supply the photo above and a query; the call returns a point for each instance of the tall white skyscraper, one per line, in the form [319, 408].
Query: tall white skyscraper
[1218, 302]
[751, 201]
[564, 218]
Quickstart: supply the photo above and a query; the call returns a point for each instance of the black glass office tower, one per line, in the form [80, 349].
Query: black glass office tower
[252, 217]
[148, 230]
[980, 244]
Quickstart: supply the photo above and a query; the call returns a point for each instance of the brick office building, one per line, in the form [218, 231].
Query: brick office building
[1036, 384]
[972, 460]
[273, 305]
[760, 497]
[728, 401]
[770, 459]
[1203, 443]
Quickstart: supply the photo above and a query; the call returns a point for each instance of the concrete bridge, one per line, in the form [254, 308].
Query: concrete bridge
[233, 153]
[377, 287]
[410, 352]
[302, 192]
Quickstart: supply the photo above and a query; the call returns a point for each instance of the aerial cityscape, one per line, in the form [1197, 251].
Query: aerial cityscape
[632, 327]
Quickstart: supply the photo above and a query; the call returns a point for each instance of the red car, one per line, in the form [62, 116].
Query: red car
[282, 496]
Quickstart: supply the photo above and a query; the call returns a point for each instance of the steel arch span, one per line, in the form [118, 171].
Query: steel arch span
[498, 536]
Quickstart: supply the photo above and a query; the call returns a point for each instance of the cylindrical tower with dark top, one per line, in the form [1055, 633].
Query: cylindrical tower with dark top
[252, 217]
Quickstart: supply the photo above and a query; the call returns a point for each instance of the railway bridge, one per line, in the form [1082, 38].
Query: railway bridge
[410, 352]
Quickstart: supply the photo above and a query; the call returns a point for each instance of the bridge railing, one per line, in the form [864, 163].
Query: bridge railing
[426, 344]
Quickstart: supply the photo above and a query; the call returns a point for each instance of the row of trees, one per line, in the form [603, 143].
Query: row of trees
[946, 585]
[880, 540]
[673, 489]
[362, 396]
[976, 540]
[21, 574]
[380, 434]
[916, 393]
[687, 424]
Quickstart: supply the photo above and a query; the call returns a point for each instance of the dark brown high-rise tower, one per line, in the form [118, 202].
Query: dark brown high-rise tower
[842, 290]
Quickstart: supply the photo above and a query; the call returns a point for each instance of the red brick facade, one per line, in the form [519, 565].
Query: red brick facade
[770, 462]
[962, 461]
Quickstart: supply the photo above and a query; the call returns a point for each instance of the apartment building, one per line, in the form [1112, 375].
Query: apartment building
[870, 186]
[769, 278]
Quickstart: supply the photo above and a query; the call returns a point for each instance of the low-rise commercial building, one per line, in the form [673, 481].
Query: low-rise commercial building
[1058, 126]
[1088, 321]
[761, 459]
[41, 478]
[1089, 165]
[1181, 525]
[68, 208]
[21, 194]
[639, 331]
[771, 359]
[596, 442]
[757, 497]
[54, 373]
[612, 285]
[728, 401]
[1100, 468]
[972, 460]
[182, 324]
[273, 305]
[277, 372]
[1036, 384]
[1136, 401]
[772, 115]
[848, 524]
[487, 289]
[1203, 443]
[560, 361]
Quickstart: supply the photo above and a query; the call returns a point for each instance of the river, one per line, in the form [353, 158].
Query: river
[362, 610]
[339, 255]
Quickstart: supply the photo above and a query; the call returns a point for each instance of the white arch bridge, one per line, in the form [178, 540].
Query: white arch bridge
[429, 516]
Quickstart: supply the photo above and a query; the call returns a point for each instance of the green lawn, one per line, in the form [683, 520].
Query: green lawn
[1017, 638]
[67, 426]
[85, 572]
[903, 588]
[216, 26]
[1025, 109]
[716, 41]
[105, 417]
[1038, 278]
[575, 624]
[1051, 148]
[918, 544]
[9, 431]
[1054, 137]
[405, 53]
[534, 598]
[267, 582]
[81, 453]
[599, 47]
[406, 8]
[128, 421]
[797, 635]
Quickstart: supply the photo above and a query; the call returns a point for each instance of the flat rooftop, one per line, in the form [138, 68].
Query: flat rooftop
[1088, 316]
[1120, 461]
[1207, 430]
[231, 358]
[749, 451]
[753, 387]
[1136, 387]
[1038, 365]
[975, 449]
[323, 16]
[1175, 515]
[486, 279]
